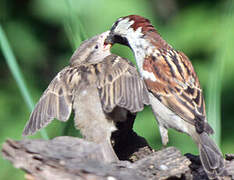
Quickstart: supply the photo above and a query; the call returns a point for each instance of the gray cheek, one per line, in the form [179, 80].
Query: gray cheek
[90, 57]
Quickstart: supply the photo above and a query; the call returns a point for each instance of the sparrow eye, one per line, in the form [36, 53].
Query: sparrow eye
[96, 47]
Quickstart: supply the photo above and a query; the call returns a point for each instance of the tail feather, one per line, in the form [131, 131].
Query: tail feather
[211, 157]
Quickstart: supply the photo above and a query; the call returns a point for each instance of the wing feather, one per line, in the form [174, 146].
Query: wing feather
[56, 102]
[119, 84]
[177, 86]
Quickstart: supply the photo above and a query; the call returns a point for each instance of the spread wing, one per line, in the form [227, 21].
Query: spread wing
[176, 85]
[56, 101]
[120, 85]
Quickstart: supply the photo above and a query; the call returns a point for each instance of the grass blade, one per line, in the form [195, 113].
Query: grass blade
[14, 68]
[216, 76]
[74, 26]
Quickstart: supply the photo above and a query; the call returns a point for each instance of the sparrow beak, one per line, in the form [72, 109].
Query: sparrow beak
[107, 46]
[113, 38]
[109, 39]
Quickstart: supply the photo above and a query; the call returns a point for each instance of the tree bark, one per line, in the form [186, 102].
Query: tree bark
[73, 158]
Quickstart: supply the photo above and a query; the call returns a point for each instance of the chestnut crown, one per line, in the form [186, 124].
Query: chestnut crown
[126, 26]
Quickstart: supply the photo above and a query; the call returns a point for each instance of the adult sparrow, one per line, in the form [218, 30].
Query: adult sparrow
[174, 90]
[101, 88]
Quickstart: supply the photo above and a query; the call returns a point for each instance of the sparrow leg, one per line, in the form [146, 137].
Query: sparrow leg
[156, 108]
[164, 135]
[108, 152]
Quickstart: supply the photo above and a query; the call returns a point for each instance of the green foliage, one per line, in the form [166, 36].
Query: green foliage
[13, 66]
[221, 59]
[44, 33]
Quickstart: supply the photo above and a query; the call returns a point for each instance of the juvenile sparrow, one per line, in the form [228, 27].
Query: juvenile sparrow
[174, 90]
[101, 88]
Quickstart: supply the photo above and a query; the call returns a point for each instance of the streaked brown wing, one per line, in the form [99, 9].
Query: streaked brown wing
[177, 86]
[56, 101]
[120, 85]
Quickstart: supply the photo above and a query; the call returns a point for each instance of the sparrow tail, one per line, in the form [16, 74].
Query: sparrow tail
[211, 157]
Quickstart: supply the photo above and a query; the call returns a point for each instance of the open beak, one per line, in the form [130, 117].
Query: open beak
[107, 46]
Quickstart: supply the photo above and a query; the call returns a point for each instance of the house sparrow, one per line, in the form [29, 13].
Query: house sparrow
[174, 90]
[101, 88]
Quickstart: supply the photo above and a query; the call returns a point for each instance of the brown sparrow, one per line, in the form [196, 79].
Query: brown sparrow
[174, 90]
[101, 88]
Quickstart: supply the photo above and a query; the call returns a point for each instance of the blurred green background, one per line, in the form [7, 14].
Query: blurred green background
[44, 33]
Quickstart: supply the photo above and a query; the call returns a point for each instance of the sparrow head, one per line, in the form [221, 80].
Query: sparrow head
[92, 50]
[127, 28]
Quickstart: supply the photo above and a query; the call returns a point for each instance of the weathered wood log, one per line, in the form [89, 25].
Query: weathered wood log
[73, 158]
